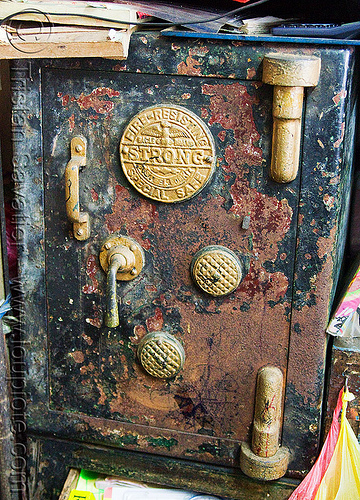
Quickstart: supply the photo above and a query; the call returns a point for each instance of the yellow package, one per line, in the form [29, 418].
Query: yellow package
[81, 495]
[341, 480]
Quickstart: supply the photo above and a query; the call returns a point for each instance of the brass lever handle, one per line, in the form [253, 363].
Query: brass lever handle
[122, 259]
[289, 74]
[80, 220]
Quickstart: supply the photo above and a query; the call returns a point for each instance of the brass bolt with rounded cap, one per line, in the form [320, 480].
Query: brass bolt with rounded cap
[265, 459]
[289, 74]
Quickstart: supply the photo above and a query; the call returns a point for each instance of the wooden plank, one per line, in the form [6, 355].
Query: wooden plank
[64, 42]
[70, 484]
[68, 12]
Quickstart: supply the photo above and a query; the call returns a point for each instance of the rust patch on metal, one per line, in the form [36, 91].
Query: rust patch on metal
[94, 322]
[77, 356]
[91, 270]
[190, 67]
[94, 195]
[231, 107]
[156, 322]
[87, 339]
[222, 135]
[71, 123]
[250, 73]
[145, 214]
[341, 138]
[340, 95]
[93, 100]
[119, 67]
[138, 333]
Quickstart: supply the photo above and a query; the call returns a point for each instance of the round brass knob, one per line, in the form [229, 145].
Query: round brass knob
[216, 270]
[161, 354]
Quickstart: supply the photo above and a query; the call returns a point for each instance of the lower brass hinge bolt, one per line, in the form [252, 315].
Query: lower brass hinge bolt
[265, 459]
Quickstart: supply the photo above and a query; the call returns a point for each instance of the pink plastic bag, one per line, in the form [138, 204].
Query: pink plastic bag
[307, 489]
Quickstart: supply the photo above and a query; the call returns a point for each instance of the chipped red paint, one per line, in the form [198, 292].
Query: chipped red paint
[94, 195]
[250, 73]
[91, 270]
[340, 95]
[145, 214]
[204, 113]
[65, 99]
[71, 122]
[272, 286]
[341, 138]
[93, 100]
[222, 135]
[139, 332]
[78, 356]
[231, 106]
[189, 67]
[271, 217]
[156, 322]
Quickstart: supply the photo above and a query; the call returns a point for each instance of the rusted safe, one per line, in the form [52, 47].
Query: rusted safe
[181, 221]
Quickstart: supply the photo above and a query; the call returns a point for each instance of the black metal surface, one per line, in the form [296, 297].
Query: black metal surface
[77, 371]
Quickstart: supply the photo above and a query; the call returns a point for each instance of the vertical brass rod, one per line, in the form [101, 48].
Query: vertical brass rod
[265, 459]
[289, 74]
[112, 309]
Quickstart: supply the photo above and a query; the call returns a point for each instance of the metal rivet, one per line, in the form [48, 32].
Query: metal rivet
[133, 247]
[133, 271]
[209, 159]
[78, 148]
[80, 232]
[107, 245]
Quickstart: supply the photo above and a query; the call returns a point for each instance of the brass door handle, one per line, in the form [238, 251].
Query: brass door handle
[122, 258]
[289, 74]
[80, 220]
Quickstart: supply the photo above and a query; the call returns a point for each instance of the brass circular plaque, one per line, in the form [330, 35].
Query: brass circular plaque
[161, 354]
[167, 153]
[216, 270]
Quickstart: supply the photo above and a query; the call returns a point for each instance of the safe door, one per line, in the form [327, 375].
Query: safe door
[169, 268]
[230, 313]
